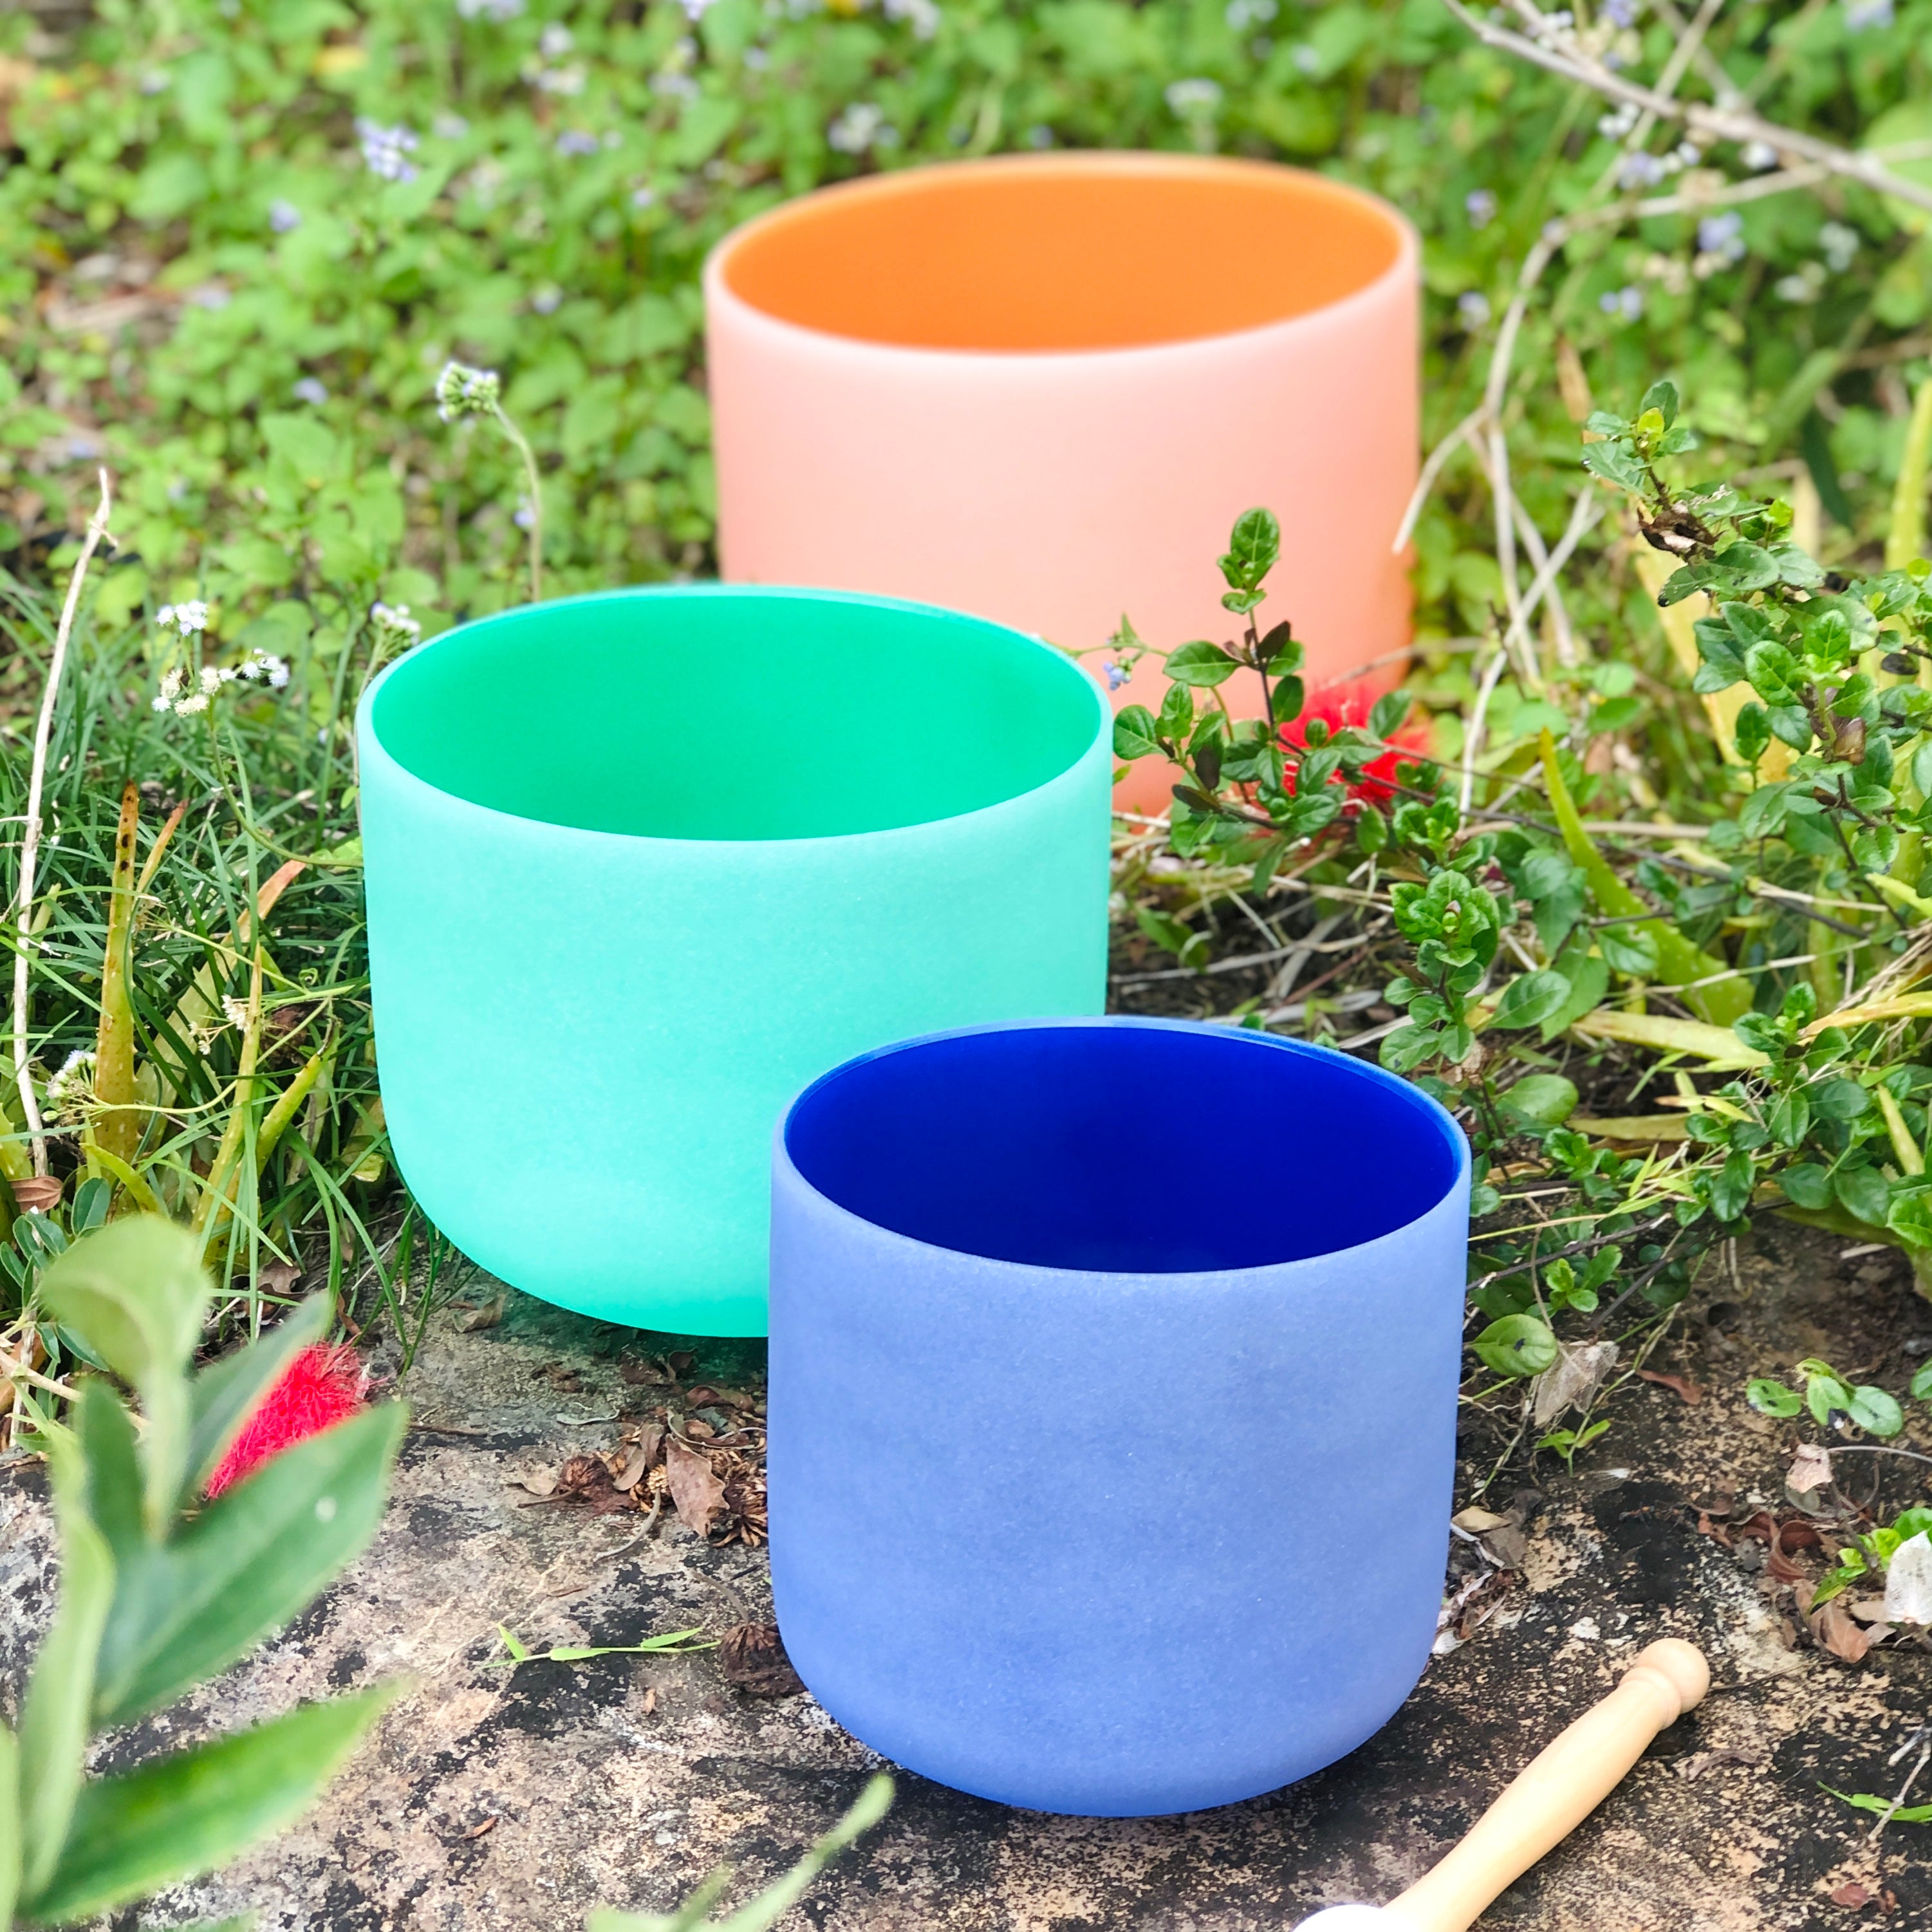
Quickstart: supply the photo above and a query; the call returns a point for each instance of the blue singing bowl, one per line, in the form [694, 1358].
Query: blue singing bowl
[1106, 1488]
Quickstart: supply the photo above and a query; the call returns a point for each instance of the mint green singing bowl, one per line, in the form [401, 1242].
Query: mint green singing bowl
[642, 865]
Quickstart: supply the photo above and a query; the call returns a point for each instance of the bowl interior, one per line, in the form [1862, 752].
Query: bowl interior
[1007, 1143]
[735, 714]
[1082, 253]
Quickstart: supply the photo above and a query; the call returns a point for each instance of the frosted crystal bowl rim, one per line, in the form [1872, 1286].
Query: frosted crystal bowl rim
[367, 725]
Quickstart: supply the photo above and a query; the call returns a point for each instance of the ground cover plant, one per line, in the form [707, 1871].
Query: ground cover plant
[377, 316]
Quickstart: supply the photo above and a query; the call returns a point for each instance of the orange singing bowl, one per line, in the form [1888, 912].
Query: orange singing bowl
[1041, 388]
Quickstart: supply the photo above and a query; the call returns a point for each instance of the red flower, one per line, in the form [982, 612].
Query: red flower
[1337, 710]
[321, 1387]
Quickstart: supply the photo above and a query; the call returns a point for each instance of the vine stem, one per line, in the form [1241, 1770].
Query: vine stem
[30, 836]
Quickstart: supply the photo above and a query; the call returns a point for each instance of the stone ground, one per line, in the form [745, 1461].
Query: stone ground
[510, 1800]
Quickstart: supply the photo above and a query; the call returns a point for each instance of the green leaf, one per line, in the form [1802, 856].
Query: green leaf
[135, 1293]
[54, 1714]
[1616, 463]
[1864, 1801]
[1772, 1398]
[194, 1811]
[1807, 1186]
[1252, 548]
[1134, 733]
[10, 1824]
[1518, 1345]
[1921, 1383]
[224, 1396]
[1631, 949]
[1661, 396]
[1547, 1099]
[105, 1432]
[184, 1610]
[1790, 1117]
[1530, 998]
[1825, 1396]
[1908, 1215]
[1875, 1411]
[1177, 714]
[1862, 1191]
[1390, 709]
[1840, 1099]
[1200, 663]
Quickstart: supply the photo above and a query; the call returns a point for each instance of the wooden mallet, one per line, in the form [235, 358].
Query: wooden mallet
[1548, 1800]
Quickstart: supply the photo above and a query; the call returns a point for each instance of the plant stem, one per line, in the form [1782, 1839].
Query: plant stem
[1905, 537]
[117, 1127]
[536, 487]
[30, 834]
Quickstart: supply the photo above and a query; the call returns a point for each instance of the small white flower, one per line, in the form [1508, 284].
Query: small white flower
[922, 15]
[449, 127]
[1193, 99]
[1758, 155]
[1860, 14]
[461, 391]
[858, 127]
[1840, 245]
[192, 616]
[644, 197]
[284, 216]
[1615, 125]
[71, 1090]
[547, 300]
[385, 150]
[556, 40]
[1473, 306]
[574, 141]
[694, 10]
[1240, 15]
[236, 1011]
[310, 390]
[1641, 170]
[393, 627]
[499, 11]
[264, 667]
[1479, 205]
[565, 80]
[189, 706]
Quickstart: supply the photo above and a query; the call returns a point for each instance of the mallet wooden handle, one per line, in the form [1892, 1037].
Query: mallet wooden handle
[1556, 1792]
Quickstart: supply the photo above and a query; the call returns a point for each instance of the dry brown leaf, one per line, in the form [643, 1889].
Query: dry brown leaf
[1572, 1381]
[476, 1319]
[1852, 1895]
[279, 1277]
[1836, 1632]
[694, 1487]
[753, 1658]
[1477, 1522]
[1687, 1391]
[1810, 1470]
[642, 1453]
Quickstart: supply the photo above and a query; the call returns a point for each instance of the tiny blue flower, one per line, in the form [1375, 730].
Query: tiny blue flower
[284, 216]
[309, 390]
[1115, 674]
[1480, 205]
[1473, 306]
